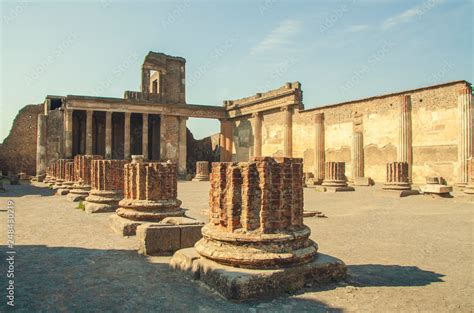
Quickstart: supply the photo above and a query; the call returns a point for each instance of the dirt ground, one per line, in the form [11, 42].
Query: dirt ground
[413, 254]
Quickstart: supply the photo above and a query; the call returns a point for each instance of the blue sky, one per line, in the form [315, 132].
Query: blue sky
[338, 50]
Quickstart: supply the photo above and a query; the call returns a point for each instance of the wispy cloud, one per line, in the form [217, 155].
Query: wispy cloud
[410, 14]
[278, 38]
[357, 28]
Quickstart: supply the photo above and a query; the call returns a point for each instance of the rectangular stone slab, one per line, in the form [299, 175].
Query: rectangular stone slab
[243, 284]
[435, 188]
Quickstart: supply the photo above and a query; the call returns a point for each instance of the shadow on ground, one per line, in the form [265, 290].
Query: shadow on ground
[89, 280]
[377, 275]
[25, 189]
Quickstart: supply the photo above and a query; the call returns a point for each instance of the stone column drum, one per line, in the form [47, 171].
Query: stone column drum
[68, 179]
[61, 173]
[202, 171]
[52, 180]
[82, 170]
[256, 243]
[150, 195]
[335, 174]
[397, 176]
[106, 184]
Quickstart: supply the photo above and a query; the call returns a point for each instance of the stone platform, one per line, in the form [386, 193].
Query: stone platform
[333, 189]
[436, 189]
[243, 284]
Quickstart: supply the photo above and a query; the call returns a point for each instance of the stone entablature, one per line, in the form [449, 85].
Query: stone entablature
[290, 95]
[256, 215]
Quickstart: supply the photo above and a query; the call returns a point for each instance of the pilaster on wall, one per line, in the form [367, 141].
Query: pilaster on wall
[41, 145]
[68, 134]
[357, 151]
[405, 148]
[319, 152]
[465, 144]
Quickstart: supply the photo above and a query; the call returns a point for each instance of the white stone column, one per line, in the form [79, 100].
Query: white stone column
[288, 131]
[145, 135]
[126, 136]
[357, 155]
[319, 149]
[182, 148]
[405, 149]
[257, 134]
[67, 134]
[464, 133]
[89, 132]
[108, 135]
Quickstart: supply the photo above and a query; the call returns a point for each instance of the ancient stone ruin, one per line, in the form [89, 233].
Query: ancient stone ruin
[256, 223]
[68, 182]
[82, 170]
[150, 195]
[335, 179]
[202, 171]
[469, 189]
[61, 166]
[398, 180]
[106, 186]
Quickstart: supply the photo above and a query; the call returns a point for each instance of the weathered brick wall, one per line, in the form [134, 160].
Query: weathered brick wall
[265, 194]
[18, 151]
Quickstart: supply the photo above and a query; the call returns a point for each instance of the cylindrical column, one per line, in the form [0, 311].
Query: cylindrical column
[150, 192]
[405, 152]
[357, 155]
[202, 171]
[107, 186]
[464, 133]
[319, 154]
[108, 135]
[89, 132]
[182, 146]
[68, 133]
[225, 141]
[41, 146]
[257, 134]
[256, 208]
[288, 131]
[335, 174]
[145, 135]
[126, 136]
[397, 176]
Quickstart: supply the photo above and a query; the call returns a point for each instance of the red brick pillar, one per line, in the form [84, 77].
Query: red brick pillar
[256, 215]
[150, 192]
[106, 186]
[82, 171]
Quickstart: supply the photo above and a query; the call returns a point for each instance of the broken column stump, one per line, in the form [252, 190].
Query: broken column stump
[82, 170]
[150, 195]
[335, 179]
[66, 186]
[256, 244]
[398, 181]
[61, 173]
[436, 185]
[202, 171]
[106, 186]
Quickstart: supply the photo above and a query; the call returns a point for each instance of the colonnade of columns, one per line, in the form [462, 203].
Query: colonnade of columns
[68, 133]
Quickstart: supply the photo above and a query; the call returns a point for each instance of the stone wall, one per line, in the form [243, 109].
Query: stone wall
[206, 149]
[18, 150]
[434, 124]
